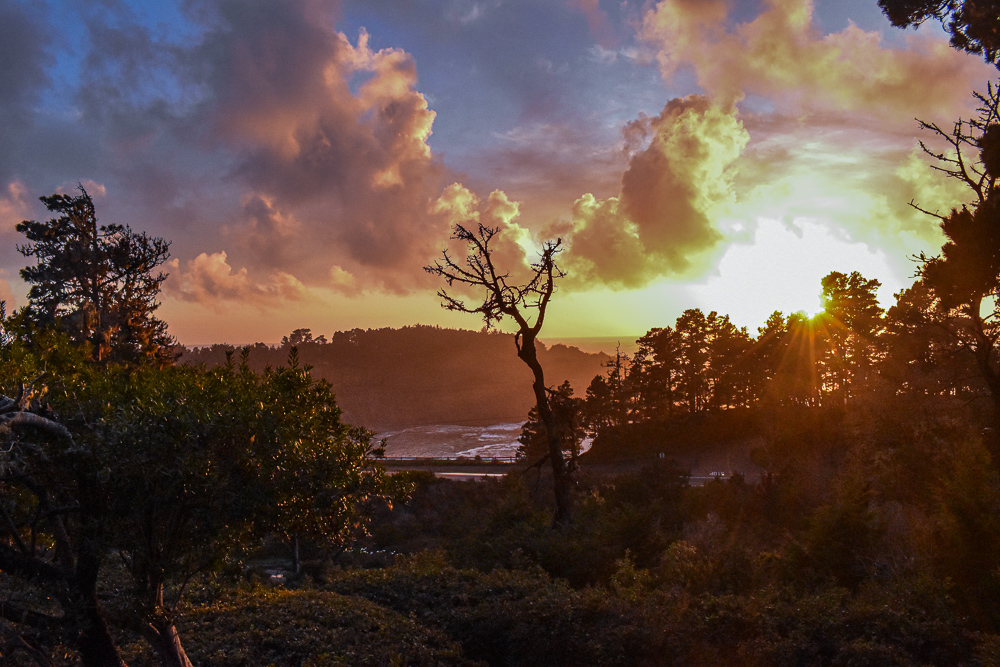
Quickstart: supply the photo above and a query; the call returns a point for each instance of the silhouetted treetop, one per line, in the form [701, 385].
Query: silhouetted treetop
[504, 297]
[973, 154]
[97, 281]
[501, 297]
[974, 25]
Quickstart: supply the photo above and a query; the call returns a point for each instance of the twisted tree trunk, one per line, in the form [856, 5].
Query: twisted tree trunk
[562, 483]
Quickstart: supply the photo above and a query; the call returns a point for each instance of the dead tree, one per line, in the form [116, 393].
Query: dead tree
[514, 301]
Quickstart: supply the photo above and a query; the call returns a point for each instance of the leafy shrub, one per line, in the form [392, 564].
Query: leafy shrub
[305, 629]
[509, 617]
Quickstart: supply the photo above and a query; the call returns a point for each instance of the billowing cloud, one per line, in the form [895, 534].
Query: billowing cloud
[287, 135]
[332, 135]
[15, 206]
[209, 278]
[511, 248]
[679, 178]
[266, 131]
[781, 55]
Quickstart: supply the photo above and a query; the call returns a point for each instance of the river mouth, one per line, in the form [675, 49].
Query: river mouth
[448, 441]
[453, 441]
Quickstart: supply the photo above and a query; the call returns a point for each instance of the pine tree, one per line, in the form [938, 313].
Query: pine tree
[96, 282]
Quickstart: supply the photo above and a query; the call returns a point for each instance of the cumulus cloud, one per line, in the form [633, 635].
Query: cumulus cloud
[680, 176]
[782, 56]
[209, 278]
[512, 248]
[330, 134]
[262, 129]
[16, 204]
[269, 236]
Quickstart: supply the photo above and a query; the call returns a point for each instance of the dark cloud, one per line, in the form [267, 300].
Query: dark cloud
[24, 60]
[24, 57]
[330, 133]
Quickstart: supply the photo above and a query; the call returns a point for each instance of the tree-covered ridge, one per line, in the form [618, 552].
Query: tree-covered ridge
[420, 374]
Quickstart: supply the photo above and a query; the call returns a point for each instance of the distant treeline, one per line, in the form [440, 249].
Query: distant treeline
[389, 378]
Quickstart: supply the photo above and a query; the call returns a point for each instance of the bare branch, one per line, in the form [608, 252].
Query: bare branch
[935, 214]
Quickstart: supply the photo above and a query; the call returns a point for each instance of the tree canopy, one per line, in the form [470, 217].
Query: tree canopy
[974, 25]
[99, 282]
[173, 470]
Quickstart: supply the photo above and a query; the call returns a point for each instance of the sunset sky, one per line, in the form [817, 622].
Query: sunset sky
[306, 158]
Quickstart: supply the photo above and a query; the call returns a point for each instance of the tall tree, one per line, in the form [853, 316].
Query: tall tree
[974, 25]
[54, 533]
[98, 281]
[852, 320]
[567, 409]
[656, 372]
[610, 397]
[728, 366]
[924, 356]
[692, 329]
[792, 349]
[501, 300]
[167, 469]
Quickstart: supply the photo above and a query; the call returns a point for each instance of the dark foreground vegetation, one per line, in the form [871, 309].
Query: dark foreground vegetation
[154, 513]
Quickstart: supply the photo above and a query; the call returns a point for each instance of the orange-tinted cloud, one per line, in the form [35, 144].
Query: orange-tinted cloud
[662, 223]
[782, 56]
[597, 19]
[349, 161]
[511, 247]
[14, 206]
[209, 278]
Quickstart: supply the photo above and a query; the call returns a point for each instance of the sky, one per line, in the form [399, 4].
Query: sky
[307, 158]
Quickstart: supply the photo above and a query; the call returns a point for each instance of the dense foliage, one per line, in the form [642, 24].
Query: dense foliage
[974, 25]
[97, 282]
[170, 469]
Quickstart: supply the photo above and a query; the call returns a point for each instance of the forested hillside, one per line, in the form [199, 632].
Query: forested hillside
[390, 378]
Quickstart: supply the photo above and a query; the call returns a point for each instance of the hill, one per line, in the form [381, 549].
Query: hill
[393, 378]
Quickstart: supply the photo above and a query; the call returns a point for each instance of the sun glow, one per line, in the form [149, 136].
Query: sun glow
[782, 269]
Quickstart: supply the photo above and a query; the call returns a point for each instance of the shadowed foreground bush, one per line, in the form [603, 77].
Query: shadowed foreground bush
[525, 618]
[509, 617]
[307, 629]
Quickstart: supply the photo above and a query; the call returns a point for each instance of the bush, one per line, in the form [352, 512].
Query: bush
[509, 617]
[305, 629]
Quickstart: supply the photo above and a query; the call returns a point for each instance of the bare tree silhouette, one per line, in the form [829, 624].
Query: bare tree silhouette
[514, 301]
